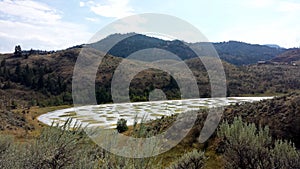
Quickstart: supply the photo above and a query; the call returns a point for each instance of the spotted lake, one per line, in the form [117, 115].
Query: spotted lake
[106, 115]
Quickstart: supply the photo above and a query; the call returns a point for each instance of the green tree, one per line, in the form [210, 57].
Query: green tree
[18, 71]
[27, 76]
[3, 63]
[18, 50]
[40, 84]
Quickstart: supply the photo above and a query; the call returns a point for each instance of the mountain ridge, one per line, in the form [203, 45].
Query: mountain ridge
[234, 52]
[292, 55]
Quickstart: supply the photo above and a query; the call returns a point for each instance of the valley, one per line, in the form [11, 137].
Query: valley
[37, 102]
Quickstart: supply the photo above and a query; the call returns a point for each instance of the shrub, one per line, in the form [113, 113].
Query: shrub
[6, 143]
[285, 155]
[122, 125]
[249, 147]
[191, 160]
[57, 147]
[65, 146]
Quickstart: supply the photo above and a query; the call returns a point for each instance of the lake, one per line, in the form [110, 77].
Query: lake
[107, 115]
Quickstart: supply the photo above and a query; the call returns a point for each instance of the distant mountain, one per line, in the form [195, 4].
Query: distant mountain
[273, 46]
[288, 56]
[130, 43]
[240, 53]
[237, 53]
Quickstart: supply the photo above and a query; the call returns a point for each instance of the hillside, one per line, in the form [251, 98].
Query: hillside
[37, 79]
[237, 53]
[132, 42]
[281, 114]
[288, 56]
[45, 79]
[252, 79]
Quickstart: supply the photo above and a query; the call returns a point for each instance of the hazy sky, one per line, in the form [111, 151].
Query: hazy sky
[58, 24]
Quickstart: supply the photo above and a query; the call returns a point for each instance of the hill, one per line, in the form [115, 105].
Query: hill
[132, 42]
[45, 79]
[237, 53]
[273, 46]
[281, 114]
[288, 56]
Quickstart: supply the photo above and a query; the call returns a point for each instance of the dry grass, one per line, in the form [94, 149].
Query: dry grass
[30, 115]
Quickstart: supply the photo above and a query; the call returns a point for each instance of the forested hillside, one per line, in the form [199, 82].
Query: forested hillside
[237, 53]
[289, 56]
[45, 79]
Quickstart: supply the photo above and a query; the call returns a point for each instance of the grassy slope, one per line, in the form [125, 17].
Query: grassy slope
[245, 80]
[241, 81]
[280, 114]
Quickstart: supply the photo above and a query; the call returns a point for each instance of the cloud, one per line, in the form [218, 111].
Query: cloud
[92, 19]
[37, 25]
[81, 4]
[289, 6]
[29, 11]
[260, 3]
[275, 5]
[112, 8]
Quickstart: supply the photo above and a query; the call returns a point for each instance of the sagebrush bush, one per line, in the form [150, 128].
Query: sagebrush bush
[111, 161]
[57, 147]
[5, 147]
[247, 146]
[122, 125]
[191, 160]
[285, 155]
[65, 146]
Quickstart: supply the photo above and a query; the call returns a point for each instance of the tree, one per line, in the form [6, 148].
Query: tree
[40, 84]
[18, 71]
[18, 50]
[3, 62]
[27, 76]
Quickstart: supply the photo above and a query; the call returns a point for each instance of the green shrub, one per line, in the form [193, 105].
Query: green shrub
[122, 125]
[249, 147]
[57, 147]
[191, 160]
[65, 146]
[6, 143]
[285, 155]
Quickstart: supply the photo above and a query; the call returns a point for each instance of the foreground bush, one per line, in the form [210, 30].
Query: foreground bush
[66, 146]
[5, 148]
[191, 160]
[122, 125]
[249, 147]
[56, 147]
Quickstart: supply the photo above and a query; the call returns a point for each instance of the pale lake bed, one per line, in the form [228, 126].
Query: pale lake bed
[107, 115]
